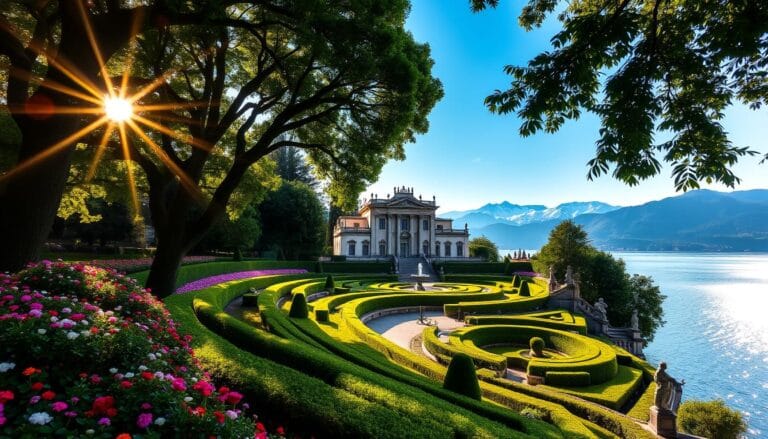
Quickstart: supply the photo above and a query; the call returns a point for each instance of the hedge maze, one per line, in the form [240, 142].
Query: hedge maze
[325, 364]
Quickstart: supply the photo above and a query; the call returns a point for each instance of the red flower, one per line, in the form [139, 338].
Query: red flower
[280, 430]
[260, 427]
[219, 416]
[102, 404]
[123, 436]
[125, 384]
[30, 371]
[233, 397]
[147, 375]
[5, 395]
[198, 411]
[48, 395]
[38, 386]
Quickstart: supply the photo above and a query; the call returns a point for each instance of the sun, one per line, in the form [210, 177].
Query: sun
[118, 109]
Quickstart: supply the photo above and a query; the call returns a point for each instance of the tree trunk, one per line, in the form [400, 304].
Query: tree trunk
[165, 267]
[30, 199]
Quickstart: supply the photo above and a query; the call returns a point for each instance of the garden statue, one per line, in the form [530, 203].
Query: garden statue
[668, 390]
[552, 280]
[569, 276]
[602, 309]
[635, 321]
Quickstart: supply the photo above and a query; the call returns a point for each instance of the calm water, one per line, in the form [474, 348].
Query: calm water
[716, 335]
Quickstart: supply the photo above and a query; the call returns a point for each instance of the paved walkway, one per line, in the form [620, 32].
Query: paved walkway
[401, 328]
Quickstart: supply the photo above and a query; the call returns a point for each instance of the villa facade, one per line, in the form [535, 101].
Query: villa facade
[403, 226]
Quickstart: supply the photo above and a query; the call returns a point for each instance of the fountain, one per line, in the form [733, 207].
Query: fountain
[420, 277]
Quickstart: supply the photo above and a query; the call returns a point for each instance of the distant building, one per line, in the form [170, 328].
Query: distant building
[402, 225]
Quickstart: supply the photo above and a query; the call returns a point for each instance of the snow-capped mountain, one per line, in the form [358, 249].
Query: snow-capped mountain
[514, 214]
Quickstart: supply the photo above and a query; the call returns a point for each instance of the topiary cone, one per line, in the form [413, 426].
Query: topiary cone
[524, 290]
[462, 377]
[329, 284]
[515, 281]
[299, 306]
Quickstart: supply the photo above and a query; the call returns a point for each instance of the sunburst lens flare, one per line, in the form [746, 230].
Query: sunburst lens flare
[118, 109]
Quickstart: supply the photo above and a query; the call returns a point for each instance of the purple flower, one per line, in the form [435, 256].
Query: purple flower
[144, 420]
[104, 421]
[221, 278]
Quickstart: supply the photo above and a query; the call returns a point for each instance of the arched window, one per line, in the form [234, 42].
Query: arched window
[447, 249]
[366, 248]
[382, 247]
[351, 251]
[460, 249]
[425, 247]
[437, 248]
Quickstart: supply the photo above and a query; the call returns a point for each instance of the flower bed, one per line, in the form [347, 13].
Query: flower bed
[84, 351]
[138, 264]
[210, 281]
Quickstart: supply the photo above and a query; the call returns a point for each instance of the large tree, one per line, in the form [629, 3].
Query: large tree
[340, 79]
[485, 248]
[602, 275]
[293, 222]
[658, 73]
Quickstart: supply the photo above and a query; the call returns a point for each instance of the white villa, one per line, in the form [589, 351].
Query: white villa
[402, 226]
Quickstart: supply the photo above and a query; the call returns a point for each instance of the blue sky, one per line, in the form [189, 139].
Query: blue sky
[471, 157]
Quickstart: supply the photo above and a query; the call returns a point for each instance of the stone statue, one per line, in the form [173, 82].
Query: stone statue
[602, 309]
[668, 390]
[635, 321]
[552, 280]
[569, 275]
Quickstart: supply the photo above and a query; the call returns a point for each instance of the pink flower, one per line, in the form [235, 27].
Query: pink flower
[179, 384]
[104, 421]
[204, 387]
[144, 420]
[233, 397]
[59, 406]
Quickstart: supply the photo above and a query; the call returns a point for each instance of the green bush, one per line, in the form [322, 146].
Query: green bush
[321, 315]
[711, 419]
[329, 285]
[537, 346]
[238, 255]
[338, 258]
[461, 377]
[525, 291]
[299, 306]
[516, 281]
[568, 379]
[483, 267]
[250, 299]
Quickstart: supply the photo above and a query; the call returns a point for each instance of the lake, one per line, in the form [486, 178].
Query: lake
[716, 335]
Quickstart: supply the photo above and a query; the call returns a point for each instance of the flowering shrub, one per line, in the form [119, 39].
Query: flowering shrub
[227, 277]
[138, 264]
[84, 351]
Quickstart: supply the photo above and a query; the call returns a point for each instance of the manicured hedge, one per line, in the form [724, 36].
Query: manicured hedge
[481, 267]
[357, 267]
[482, 359]
[193, 272]
[333, 370]
[585, 354]
[323, 409]
[570, 323]
[569, 379]
[461, 377]
[612, 394]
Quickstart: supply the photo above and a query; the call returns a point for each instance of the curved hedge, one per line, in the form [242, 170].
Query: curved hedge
[561, 320]
[585, 354]
[412, 402]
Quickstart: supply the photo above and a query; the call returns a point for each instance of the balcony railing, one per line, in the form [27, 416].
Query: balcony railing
[354, 229]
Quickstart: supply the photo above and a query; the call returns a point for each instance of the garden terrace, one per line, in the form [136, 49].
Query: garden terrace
[335, 351]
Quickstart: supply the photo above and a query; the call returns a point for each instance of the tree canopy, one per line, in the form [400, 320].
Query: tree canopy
[293, 222]
[483, 247]
[658, 73]
[602, 275]
[220, 85]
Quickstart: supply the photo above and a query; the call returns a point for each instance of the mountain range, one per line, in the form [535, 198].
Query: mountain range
[701, 220]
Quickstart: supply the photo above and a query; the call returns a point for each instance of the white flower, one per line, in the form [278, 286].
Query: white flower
[41, 331]
[113, 370]
[5, 367]
[54, 319]
[158, 355]
[40, 418]
[85, 333]
[160, 421]
[143, 368]
[159, 375]
[187, 398]
[151, 357]
[72, 335]
[129, 374]
[90, 431]
[66, 310]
